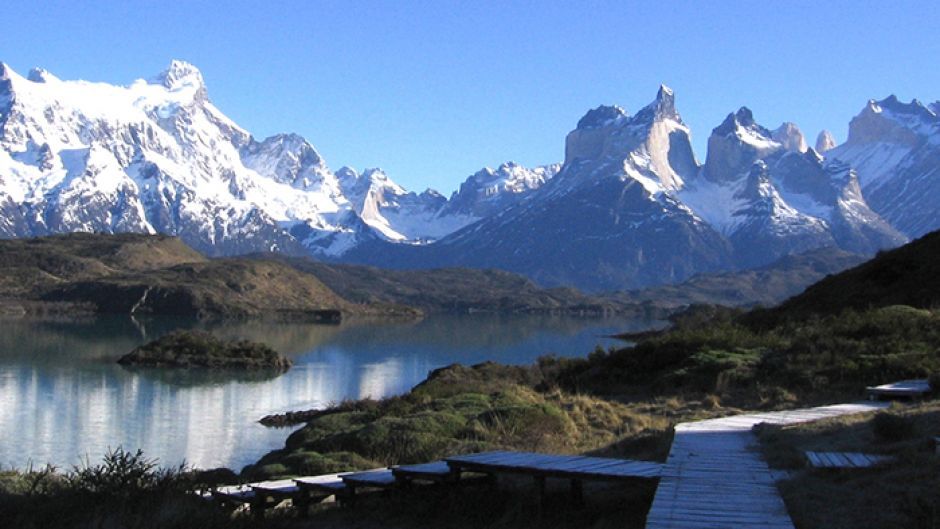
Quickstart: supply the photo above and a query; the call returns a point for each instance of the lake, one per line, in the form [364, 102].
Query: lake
[63, 398]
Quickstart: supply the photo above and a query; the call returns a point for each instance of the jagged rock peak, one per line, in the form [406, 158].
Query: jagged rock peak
[743, 117]
[40, 75]
[824, 141]
[180, 75]
[790, 136]
[894, 105]
[663, 107]
[601, 116]
[374, 173]
[5, 71]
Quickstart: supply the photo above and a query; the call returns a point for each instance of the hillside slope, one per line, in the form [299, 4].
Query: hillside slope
[160, 275]
[452, 290]
[766, 285]
[909, 275]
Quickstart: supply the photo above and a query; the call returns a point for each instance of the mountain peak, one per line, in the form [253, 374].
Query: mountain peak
[182, 75]
[895, 106]
[600, 116]
[791, 137]
[742, 117]
[664, 106]
[5, 71]
[41, 75]
[824, 141]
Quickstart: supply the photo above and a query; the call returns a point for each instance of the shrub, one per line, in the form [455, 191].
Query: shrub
[890, 427]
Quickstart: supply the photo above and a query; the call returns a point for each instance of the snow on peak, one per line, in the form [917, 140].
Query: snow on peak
[181, 75]
[825, 142]
[743, 117]
[915, 107]
[790, 136]
[737, 143]
[601, 116]
[40, 75]
[663, 107]
[891, 121]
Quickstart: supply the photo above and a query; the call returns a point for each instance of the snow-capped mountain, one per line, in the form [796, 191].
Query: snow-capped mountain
[771, 195]
[607, 218]
[894, 148]
[630, 206]
[157, 156]
[490, 191]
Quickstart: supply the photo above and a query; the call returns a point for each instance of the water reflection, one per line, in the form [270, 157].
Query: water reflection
[62, 396]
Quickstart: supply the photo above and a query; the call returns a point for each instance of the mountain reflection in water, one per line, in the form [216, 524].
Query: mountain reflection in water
[63, 397]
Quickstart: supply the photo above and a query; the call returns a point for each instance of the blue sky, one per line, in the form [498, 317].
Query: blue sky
[432, 91]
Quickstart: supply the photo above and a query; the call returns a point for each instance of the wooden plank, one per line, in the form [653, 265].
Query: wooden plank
[329, 482]
[713, 476]
[239, 493]
[284, 487]
[433, 470]
[370, 478]
[560, 466]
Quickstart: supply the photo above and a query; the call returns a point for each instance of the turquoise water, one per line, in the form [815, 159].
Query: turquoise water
[63, 398]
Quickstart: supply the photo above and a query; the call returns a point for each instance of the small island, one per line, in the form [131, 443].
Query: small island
[199, 349]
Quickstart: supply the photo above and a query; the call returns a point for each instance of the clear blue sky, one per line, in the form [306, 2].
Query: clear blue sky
[432, 91]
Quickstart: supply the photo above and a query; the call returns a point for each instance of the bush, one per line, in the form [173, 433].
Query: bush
[934, 381]
[889, 427]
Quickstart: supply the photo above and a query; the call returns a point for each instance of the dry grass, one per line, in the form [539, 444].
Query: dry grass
[905, 493]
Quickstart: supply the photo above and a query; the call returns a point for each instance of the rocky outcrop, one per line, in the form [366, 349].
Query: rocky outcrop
[195, 349]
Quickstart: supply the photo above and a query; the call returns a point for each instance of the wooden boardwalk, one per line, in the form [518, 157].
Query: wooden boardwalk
[555, 466]
[715, 476]
[844, 459]
[304, 491]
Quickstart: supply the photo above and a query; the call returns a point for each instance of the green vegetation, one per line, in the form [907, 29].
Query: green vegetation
[901, 493]
[821, 358]
[188, 349]
[909, 275]
[462, 409]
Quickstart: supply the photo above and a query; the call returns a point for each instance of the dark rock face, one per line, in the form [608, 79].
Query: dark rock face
[195, 349]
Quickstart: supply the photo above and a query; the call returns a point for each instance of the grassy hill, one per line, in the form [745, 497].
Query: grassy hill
[32, 266]
[156, 274]
[455, 290]
[909, 275]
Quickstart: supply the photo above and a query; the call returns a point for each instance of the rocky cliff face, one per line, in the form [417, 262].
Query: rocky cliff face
[894, 148]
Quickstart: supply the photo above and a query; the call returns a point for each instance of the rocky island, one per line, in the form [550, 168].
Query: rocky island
[197, 349]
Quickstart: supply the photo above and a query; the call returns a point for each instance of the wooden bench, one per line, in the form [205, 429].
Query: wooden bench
[844, 459]
[903, 389]
[543, 466]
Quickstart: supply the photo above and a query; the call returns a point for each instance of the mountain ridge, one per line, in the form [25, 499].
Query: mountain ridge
[629, 207]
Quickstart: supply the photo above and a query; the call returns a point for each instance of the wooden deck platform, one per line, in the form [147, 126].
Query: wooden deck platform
[715, 477]
[437, 471]
[555, 466]
[844, 459]
[910, 389]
